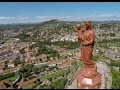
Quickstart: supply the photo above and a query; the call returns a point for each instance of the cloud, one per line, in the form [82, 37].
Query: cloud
[25, 19]
[6, 18]
[109, 17]
[2, 18]
[105, 15]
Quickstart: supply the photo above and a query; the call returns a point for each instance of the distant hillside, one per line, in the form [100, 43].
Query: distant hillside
[57, 30]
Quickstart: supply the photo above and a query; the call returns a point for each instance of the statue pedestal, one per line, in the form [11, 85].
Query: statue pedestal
[88, 78]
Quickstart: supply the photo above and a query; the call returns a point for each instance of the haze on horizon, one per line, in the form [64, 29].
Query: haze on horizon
[25, 12]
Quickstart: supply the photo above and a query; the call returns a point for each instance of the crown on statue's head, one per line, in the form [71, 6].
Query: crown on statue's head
[78, 25]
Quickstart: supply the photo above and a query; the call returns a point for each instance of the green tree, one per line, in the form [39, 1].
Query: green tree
[26, 74]
[7, 75]
[115, 78]
[35, 70]
[59, 84]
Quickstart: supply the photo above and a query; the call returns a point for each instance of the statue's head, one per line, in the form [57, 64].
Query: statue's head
[78, 26]
[88, 24]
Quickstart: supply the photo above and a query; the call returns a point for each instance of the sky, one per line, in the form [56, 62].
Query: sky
[24, 12]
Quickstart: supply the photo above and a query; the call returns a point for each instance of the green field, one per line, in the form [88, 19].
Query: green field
[29, 86]
[10, 40]
[53, 75]
[12, 78]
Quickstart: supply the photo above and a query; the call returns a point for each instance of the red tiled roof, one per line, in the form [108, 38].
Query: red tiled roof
[65, 64]
[61, 49]
[55, 61]
[2, 66]
[42, 56]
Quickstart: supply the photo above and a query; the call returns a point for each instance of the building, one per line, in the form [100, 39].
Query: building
[60, 50]
[11, 64]
[45, 82]
[64, 65]
[59, 63]
[40, 58]
[43, 57]
[51, 63]
[2, 68]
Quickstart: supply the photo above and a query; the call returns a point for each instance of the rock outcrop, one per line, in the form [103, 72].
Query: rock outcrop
[106, 77]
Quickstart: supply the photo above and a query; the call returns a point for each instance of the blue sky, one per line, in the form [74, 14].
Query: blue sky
[18, 12]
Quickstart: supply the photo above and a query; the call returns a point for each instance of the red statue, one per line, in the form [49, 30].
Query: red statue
[89, 72]
[87, 40]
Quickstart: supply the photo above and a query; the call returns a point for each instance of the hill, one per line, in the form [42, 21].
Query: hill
[56, 30]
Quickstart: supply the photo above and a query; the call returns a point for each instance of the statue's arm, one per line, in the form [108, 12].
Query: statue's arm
[91, 39]
[80, 33]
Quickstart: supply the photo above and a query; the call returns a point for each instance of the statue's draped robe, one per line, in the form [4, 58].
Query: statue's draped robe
[86, 50]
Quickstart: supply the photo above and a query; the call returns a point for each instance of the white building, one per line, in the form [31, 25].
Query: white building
[11, 65]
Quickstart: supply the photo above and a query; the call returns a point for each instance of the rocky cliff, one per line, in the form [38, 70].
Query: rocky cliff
[106, 77]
